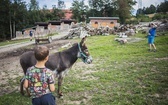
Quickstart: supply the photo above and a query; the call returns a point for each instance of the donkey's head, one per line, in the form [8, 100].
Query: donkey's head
[84, 52]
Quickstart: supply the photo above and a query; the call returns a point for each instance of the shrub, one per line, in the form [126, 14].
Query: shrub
[160, 16]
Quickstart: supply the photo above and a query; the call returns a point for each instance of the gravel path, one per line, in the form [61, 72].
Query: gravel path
[18, 45]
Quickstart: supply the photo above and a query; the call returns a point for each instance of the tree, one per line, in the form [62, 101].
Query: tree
[34, 5]
[79, 10]
[150, 10]
[163, 7]
[103, 8]
[61, 4]
[57, 14]
[111, 8]
[18, 16]
[5, 19]
[44, 14]
[124, 9]
[13, 17]
[34, 14]
[140, 11]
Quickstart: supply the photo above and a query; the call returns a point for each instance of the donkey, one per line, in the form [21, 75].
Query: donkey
[58, 62]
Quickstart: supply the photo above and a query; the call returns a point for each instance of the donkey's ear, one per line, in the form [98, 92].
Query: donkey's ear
[83, 40]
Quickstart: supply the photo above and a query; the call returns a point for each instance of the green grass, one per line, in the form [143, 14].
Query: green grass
[119, 75]
[52, 34]
[8, 42]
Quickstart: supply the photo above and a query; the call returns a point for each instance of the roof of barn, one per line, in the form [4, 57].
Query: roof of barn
[103, 18]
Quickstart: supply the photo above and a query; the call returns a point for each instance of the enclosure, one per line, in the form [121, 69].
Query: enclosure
[119, 74]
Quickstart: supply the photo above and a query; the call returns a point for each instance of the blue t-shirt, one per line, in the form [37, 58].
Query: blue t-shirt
[152, 32]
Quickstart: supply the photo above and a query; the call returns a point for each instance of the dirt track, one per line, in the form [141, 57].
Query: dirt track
[10, 69]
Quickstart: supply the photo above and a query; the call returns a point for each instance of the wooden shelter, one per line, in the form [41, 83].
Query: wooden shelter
[44, 24]
[97, 22]
[67, 21]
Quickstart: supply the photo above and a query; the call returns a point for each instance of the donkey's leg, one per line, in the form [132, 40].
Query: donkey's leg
[21, 87]
[28, 93]
[60, 78]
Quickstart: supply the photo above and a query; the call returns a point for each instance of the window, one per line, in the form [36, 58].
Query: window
[111, 22]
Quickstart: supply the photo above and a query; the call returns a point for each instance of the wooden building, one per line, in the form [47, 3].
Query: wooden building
[97, 22]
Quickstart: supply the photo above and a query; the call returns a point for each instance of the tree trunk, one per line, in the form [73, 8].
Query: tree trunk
[14, 30]
[10, 29]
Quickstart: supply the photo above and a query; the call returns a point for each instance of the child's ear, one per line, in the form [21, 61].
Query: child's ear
[46, 58]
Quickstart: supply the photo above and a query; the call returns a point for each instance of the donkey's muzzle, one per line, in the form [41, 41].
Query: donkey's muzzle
[89, 60]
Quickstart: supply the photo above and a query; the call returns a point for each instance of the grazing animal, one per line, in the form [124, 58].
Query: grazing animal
[59, 62]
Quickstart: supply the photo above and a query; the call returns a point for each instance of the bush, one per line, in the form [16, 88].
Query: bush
[143, 18]
[135, 21]
[159, 16]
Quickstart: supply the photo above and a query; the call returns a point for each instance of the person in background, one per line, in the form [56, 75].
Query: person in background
[23, 32]
[151, 37]
[31, 35]
[40, 80]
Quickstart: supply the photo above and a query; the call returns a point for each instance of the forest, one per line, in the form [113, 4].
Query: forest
[17, 15]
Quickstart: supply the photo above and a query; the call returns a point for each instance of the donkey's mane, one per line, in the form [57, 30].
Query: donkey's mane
[71, 49]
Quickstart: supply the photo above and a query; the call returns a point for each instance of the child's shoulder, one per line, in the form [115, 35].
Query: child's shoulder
[33, 69]
[48, 71]
[30, 68]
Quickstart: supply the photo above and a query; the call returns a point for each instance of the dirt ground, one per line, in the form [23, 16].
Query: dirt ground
[10, 69]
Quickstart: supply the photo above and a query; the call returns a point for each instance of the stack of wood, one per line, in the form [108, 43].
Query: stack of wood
[73, 33]
[129, 30]
[78, 30]
[99, 31]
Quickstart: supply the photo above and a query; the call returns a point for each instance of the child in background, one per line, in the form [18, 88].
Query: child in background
[151, 37]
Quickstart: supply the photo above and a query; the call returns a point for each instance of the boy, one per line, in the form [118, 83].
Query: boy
[151, 37]
[40, 80]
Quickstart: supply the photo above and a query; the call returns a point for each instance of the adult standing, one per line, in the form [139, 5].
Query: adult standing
[151, 37]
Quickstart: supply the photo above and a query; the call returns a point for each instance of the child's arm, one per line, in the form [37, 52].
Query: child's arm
[51, 82]
[25, 83]
[149, 34]
[25, 79]
[52, 87]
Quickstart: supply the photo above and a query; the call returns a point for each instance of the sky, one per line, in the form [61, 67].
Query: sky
[49, 3]
[147, 3]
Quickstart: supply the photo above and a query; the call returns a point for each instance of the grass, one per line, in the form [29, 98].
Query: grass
[119, 75]
[8, 42]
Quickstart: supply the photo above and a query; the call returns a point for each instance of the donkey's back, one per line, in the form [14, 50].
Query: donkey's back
[59, 61]
[27, 60]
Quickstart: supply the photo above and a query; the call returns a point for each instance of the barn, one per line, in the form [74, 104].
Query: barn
[97, 22]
